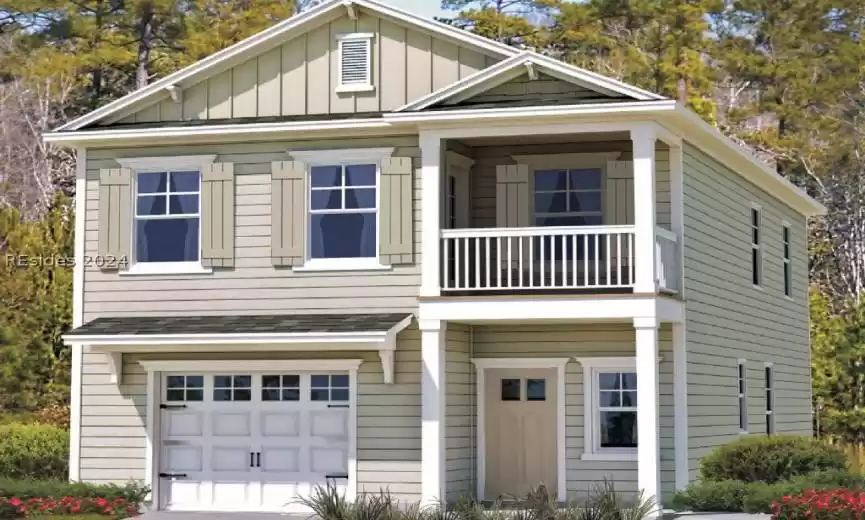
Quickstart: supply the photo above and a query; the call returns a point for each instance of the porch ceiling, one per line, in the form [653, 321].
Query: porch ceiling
[548, 139]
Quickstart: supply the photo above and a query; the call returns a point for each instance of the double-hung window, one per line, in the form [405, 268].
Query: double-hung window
[770, 398]
[167, 224]
[788, 270]
[742, 392]
[756, 250]
[567, 197]
[343, 211]
[611, 408]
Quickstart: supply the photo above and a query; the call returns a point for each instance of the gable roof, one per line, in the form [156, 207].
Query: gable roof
[524, 62]
[273, 35]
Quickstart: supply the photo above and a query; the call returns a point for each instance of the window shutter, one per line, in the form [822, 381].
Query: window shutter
[288, 212]
[217, 215]
[512, 195]
[619, 193]
[396, 232]
[354, 61]
[115, 219]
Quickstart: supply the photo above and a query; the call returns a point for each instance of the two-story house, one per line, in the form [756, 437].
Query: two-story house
[369, 248]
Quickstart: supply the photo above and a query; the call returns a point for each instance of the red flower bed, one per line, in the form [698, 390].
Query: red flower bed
[833, 504]
[14, 507]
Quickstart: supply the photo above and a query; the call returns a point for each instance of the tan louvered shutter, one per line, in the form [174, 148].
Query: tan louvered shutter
[619, 193]
[115, 219]
[288, 212]
[396, 233]
[217, 215]
[512, 195]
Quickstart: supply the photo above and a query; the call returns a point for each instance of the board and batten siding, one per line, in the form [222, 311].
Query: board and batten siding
[590, 340]
[487, 158]
[253, 285]
[299, 77]
[729, 319]
[459, 413]
[113, 431]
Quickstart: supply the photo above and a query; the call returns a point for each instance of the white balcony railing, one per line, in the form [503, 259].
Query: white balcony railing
[568, 257]
[667, 270]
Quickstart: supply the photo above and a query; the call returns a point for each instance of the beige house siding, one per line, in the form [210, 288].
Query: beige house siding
[729, 319]
[299, 76]
[590, 340]
[459, 413]
[253, 286]
[487, 158]
[388, 417]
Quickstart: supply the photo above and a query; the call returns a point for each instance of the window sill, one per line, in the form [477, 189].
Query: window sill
[609, 456]
[165, 268]
[350, 265]
[355, 88]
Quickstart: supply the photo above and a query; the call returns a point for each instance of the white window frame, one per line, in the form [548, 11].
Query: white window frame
[346, 157]
[163, 164]
[592, 368]
[756, 246]
[786, 263]
[769, 389]
[742, 394]
[355, 87]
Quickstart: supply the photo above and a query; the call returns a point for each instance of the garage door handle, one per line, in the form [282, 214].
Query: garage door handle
[251, 459]
[336, 475]
[258, 459]
[173, 475]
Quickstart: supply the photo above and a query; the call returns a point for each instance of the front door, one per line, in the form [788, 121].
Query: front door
[520, 431]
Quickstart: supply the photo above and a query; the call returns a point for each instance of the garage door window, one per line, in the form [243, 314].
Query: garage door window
[232, 388]
[329, 387]
[184, 388]
[285, 387]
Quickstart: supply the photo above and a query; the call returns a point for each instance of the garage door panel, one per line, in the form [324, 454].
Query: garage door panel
[183, 423]
[328, 460]
[234, 459]
[183, 459]
[332, 424]
[184, 495]
[280, 424]
[232, 424]
[278, 495]
[280, 459]
[232, 495]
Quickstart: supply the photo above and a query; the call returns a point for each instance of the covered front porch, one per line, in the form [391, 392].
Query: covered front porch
[510, 403]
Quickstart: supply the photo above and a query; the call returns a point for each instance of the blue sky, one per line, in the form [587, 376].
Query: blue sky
[428, 8]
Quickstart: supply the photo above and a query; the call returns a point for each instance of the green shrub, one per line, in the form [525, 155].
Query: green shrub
[760, 458]
[757, 497]
[34, 451]
[24, 489]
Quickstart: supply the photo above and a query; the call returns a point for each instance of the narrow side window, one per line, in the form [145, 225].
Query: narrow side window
[742, 396]
[788, 268]
[756, 249]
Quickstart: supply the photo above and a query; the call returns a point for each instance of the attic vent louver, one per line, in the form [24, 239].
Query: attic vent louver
[355, 62]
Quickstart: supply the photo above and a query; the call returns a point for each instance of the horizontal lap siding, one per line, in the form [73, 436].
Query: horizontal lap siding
[300, 76]
[253, 286]
[459, 414]
[487, 158]
[728, 319]
[113, 433]
[596, 340]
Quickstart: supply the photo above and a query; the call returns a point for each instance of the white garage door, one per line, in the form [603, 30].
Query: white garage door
[251, 441]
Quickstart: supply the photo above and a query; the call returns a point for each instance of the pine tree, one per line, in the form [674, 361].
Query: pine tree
[514, 22]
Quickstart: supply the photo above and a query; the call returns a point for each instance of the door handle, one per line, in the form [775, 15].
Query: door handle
[251, 459]
[258, 459]
[173, 475]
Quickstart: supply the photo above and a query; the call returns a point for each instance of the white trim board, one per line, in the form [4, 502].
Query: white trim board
[481, 365]
[270, 37]
[516, 65]
[153, 427]
[590, 427]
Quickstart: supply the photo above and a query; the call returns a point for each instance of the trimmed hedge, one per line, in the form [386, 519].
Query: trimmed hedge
[761, 458]
[34, 451]
[757, 497]
[29, 498]
[25, 489]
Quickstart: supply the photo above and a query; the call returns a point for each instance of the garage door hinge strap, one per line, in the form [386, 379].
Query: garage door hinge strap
[173, 475]
[172, 406]
[338, 406]
[330, 476]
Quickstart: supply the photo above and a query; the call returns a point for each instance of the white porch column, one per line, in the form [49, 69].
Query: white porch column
[430, 149]
[680, 404]
[643, 138]
[433, 334]
[648, 447]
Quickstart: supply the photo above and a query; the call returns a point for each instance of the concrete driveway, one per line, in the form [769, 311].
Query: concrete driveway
[177, 515]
